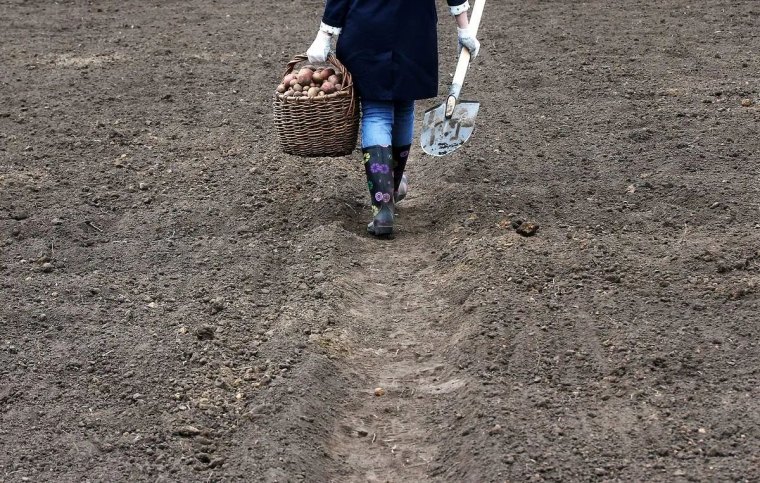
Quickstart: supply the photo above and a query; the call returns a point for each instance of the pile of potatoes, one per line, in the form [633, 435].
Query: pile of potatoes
[310, 82]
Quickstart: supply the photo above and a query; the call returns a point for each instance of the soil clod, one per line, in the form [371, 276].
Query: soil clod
[205, 332]
[527, 228]
[19, 215]
[187, 431]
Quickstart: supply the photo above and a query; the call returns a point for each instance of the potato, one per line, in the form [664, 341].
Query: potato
[328, 72]
[318, 76]
[288, 78]
[304, 76]
[293, 81]
[297, 87]
[289, 93]
[281, 88]
[328, 87]
[333, 79]
[313, 91]
[338, 87]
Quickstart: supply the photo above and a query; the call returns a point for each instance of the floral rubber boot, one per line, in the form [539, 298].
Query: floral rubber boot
[378, 165]
[401, 184]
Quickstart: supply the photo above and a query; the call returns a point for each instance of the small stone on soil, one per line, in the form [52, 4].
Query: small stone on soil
[379, 391]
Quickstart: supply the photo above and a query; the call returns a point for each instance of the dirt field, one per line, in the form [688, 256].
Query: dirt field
[179, 301]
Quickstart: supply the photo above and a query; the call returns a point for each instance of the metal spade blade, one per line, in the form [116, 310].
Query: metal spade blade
[440, 135]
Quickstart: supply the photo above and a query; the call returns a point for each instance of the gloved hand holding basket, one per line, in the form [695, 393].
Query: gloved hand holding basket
[316, 112]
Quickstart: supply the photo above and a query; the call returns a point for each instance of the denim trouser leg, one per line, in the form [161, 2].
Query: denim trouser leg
[387, 123]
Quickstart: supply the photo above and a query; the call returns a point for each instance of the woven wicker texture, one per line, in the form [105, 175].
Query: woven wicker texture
[318, 126]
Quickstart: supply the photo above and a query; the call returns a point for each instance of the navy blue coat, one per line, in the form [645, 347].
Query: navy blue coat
[389, 46]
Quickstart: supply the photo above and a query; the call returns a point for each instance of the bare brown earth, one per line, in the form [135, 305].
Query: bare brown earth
[182, 302]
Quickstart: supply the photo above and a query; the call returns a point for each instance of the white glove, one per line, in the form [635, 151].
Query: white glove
[466, 39]
[320, 48]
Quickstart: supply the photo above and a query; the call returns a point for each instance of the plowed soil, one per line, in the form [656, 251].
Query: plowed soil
[180, 301]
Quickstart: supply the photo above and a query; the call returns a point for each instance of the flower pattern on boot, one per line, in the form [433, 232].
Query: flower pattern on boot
[381, 197]
[379, 168]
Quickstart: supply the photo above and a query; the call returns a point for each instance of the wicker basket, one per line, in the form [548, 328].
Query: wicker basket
[318, 126]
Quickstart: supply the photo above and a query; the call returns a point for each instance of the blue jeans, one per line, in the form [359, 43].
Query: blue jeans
[387, 123]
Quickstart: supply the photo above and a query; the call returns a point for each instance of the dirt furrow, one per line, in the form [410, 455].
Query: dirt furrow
[386, 432]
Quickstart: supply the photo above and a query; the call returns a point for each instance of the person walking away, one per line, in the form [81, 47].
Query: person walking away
[391, 49]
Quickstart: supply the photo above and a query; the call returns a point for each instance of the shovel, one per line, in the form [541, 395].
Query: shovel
[447, 127]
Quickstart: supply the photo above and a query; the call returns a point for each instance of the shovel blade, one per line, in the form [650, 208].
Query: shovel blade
[441, 136]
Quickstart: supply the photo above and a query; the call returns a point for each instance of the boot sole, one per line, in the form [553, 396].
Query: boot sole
[381, 230]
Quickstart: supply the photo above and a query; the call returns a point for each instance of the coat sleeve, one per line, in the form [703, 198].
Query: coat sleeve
[335, 13]
[458, 6]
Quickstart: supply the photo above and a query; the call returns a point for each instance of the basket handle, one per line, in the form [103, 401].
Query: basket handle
[348, 82]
